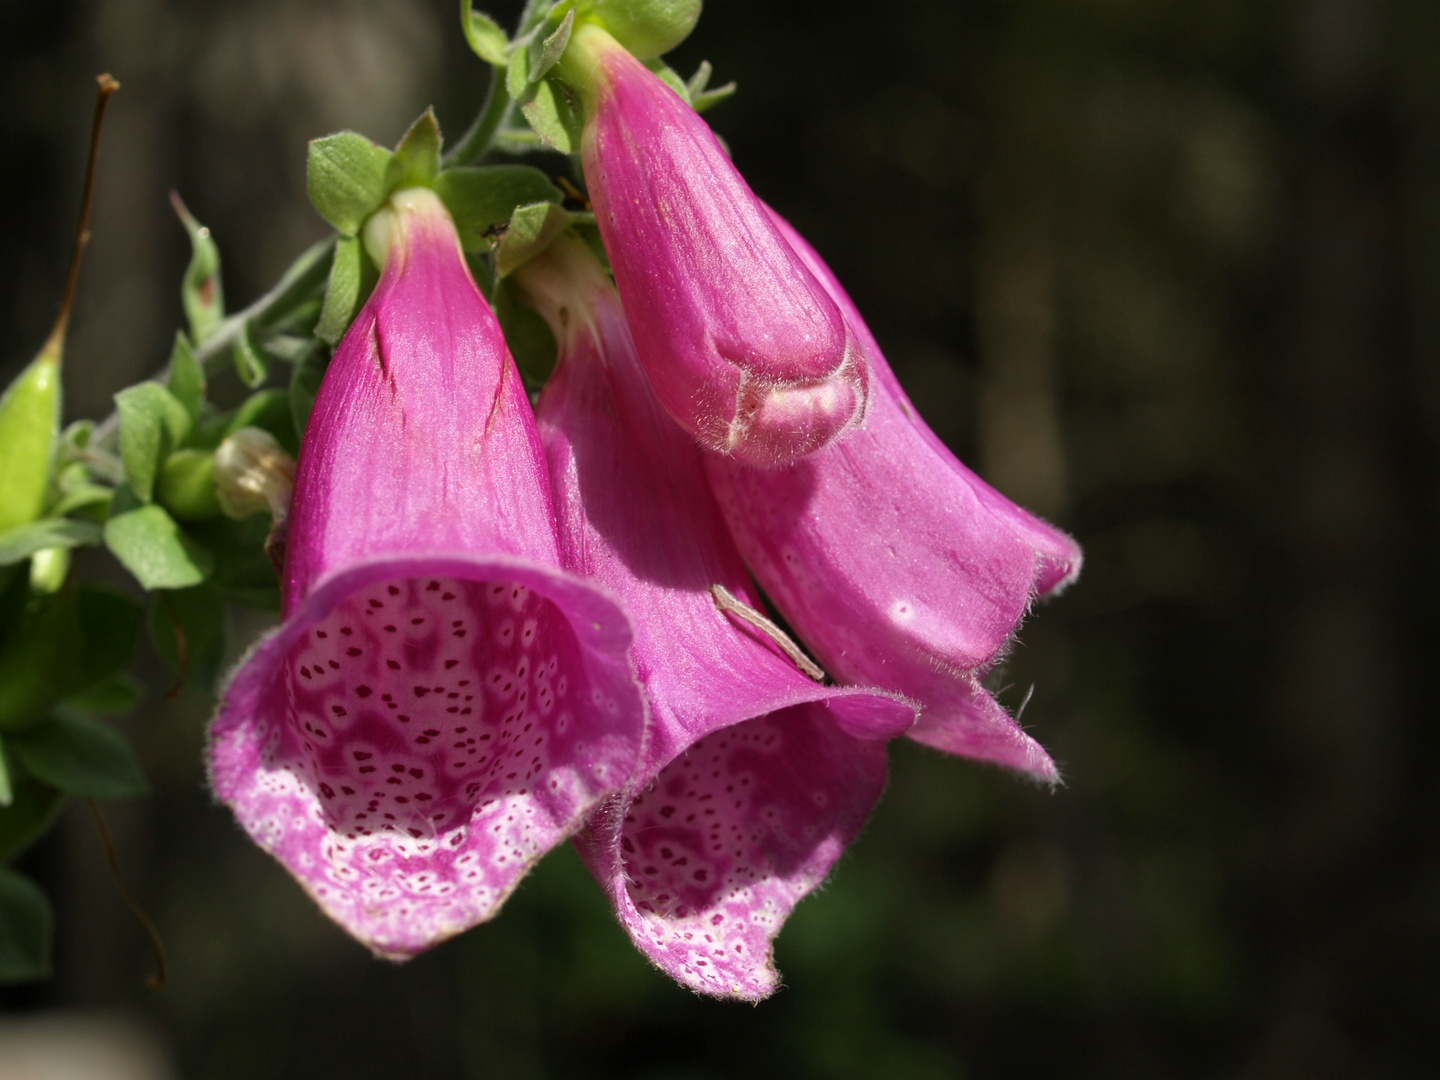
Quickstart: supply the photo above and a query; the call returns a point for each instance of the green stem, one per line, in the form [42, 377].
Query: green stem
[475, 142]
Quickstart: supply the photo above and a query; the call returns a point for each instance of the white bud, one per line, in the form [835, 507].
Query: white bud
[254, 473]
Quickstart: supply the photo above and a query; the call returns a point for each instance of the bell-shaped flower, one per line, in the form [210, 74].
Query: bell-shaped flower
[896, 564]
[754, 777]
[442, 703]
[743, 346]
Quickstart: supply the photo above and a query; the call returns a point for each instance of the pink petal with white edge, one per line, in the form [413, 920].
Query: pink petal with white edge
[754, 778]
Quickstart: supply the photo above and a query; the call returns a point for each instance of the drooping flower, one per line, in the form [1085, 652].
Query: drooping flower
[442, 702]
[896, 564]
[754, 777]
[741, 343]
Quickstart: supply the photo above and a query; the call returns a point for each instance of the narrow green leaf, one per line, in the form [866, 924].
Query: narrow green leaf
[483, 33]
[345, 178]
[517, 75]
[701, 102]
[38, 661]
[186, 379]
[417, 158]
[345, 293]
[31, 812]
[305, 382]
[545, 53]
[118, 694]
[109, 631]
[21, 543]
[152, 546]
[531, 230]
[153, 422]
[200, 290]
[196, 616]
[250, 363]
[555, 114]
[81, 756]
[26, 929]
[482, 197]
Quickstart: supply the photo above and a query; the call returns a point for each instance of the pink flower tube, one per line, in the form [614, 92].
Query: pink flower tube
[896, 564]
[742, 345]
[442, 703]
[754, 778]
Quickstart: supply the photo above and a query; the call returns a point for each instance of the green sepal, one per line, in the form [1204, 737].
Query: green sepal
[268, 409]
[153, 423]
[186, 487]
[186, 378]
[517, 75]
[27, 927]
[150, 544]
[305, 380]
[81, 756]
[243, 571]
[25, 541]
[545, 52]
[484, 35]
[200, 290]
[554, 113]
[345, 177]
[250, 362]
[646, 28]
[697, 92]
[39, 661]
[671, 78]
[32, 811]
[417, 157]
[200, 613]
[352, 276]
[74, 491]
[532, 229]
[528, 335]
[482, 197]
[29, 418]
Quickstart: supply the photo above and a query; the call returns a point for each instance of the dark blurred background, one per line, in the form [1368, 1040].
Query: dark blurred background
[1165, 271]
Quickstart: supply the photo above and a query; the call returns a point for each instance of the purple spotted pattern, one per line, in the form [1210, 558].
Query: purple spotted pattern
[896, 564]
[754, 778]
[442, 703]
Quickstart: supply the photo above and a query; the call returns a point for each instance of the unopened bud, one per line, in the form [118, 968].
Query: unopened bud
[253, 473]
[49, 567]
[186, 486]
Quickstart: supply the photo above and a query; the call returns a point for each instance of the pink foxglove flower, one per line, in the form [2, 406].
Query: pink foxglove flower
[442, 703]
[754, 777]
[743, 346]
[896, 564]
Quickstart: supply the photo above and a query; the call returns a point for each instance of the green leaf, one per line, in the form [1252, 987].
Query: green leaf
[152, 546]
[195, 617]
[417, 158]
[186, 379]
[517, 79]
[545, 53]
[346, 291]
[38, 661]
[270, 410]
[30, 813]
[701, 102]
[531, 230]
[21, 543]
[200, 291]
[26, 929]
[305, 382]
[92, 499]
[346, 179]
[483, 33]
[81, 756]
[109, 631]
[153, 422]
[482, 197]
[118, 694]
[7, 791]
[554, 113]
[250, 363]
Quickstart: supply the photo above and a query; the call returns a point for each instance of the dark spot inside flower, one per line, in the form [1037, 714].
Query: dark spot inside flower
[403, 718]
[347, 790]
[352, 651]
[391, 629]
[434, 586]
[421, 691]
[667, 811]
[417, 773]
[363, 755]
[450, 664]
[337, 710]
[363, 691]
[327, 791]
[321, 633]
[367, 768]
[417, 620]
[334, 664]
[393, 590]
[346, 631]
[431, 732]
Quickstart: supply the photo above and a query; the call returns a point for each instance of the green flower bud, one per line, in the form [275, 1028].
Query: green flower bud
[29, 420]
[186, 486]
[254, 473]
[647, 28]
[49, 568]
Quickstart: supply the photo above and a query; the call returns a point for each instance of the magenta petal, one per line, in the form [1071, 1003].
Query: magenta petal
[443, 703]
[754, 778]
[922, 597]
[741, 343]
